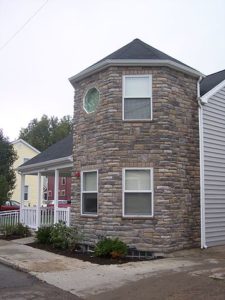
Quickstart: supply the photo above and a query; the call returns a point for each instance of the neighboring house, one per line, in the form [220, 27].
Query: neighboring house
[213, 159]
[148, 152]
[25, 152]
[64, 187]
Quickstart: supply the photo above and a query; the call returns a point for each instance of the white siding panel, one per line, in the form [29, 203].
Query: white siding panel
[214, 163]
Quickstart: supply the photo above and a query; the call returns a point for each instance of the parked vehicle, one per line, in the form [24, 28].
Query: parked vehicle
[10, 205]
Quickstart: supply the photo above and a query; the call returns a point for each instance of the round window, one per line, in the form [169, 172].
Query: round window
[91, 100]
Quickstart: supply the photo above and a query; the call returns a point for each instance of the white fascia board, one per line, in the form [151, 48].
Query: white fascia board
[212, 92]
[47, 165]
[134, 62]
[25, 143]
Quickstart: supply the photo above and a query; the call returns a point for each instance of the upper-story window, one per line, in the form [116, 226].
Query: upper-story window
[91, 100]
[137, 97]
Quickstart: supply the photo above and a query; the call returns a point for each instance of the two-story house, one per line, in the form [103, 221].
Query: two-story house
[24, 153]
[148, 152]
[136, 137]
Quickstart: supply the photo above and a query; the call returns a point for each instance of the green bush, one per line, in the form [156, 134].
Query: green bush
[18, 230]
[108, 247]
[43, 234]
[64, 237]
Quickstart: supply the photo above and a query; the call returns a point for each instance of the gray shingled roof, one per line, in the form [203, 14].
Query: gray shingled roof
[210, 81]
[137, 49]
[134, 51]
[61, 149]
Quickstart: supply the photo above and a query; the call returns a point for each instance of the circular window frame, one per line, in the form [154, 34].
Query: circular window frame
[89, 89]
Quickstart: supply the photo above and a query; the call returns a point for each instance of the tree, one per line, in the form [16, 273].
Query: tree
[7, 173]
[42, 134]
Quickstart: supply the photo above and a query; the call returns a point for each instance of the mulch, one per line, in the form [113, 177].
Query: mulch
[84, 256]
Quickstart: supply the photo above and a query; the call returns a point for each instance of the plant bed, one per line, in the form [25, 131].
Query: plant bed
[84, 256]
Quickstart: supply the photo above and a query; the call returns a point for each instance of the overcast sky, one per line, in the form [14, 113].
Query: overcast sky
[43, 43]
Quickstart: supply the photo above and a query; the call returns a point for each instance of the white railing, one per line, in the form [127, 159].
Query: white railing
[47, 216]
[29, 216]
[63, 214]
[8, 218]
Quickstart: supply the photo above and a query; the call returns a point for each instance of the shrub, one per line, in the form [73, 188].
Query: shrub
[64, 237]
[18, 230]
[108, 247]
[43, 234]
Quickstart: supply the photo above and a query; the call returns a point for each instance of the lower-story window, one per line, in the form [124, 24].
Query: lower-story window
[138, 192]
[89, 192]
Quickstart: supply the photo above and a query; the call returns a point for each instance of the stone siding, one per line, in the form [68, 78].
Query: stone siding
[169, 144]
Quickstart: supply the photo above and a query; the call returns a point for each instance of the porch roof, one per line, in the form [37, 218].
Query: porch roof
[59, 155]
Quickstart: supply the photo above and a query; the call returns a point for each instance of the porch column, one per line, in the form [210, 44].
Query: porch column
[56, 194]
[39, 193]
[22, 184]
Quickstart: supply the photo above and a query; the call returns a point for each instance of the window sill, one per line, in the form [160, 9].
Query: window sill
[89, 216]
[138, 121]
[137, 217]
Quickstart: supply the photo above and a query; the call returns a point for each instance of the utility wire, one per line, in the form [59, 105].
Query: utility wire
[22, 27]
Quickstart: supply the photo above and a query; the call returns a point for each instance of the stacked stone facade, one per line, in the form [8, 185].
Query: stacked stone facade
[169, 144]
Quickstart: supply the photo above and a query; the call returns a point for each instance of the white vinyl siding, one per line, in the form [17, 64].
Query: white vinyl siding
[214, 168]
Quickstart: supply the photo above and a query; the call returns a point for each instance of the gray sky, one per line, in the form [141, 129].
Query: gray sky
[66, 36]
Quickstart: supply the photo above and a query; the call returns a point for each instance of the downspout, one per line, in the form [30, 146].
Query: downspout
[201, 154]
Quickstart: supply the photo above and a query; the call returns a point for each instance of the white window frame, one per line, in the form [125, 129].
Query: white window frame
[89, 192]
[138, 191]
[150, 95]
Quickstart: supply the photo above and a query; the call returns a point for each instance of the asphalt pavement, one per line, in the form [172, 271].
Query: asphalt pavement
[17, 285]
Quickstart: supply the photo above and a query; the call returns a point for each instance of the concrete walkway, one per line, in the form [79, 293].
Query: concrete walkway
[85, 279]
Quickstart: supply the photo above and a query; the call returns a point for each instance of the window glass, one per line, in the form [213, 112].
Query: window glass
[90, 181]
[90, 203]
[138, 204]
[137, 109]
[137, 87]
[91, 100]
[26, 192]
[137, 180]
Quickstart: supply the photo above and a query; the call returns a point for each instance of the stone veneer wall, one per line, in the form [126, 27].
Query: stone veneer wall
[169, 143]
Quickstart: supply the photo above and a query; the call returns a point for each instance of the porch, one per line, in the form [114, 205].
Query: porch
[56, 161]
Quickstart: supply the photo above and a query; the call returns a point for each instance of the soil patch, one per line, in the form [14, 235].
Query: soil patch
[12, 237]
[84, 256]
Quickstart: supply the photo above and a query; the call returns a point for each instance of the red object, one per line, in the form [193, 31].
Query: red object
[77, 174]
[10, 205]
[64, 188]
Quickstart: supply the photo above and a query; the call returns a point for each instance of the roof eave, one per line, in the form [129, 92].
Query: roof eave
[47, 165]
[134, 62]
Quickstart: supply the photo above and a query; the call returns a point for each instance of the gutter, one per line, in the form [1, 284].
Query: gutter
[202, 172]
[133, 62]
